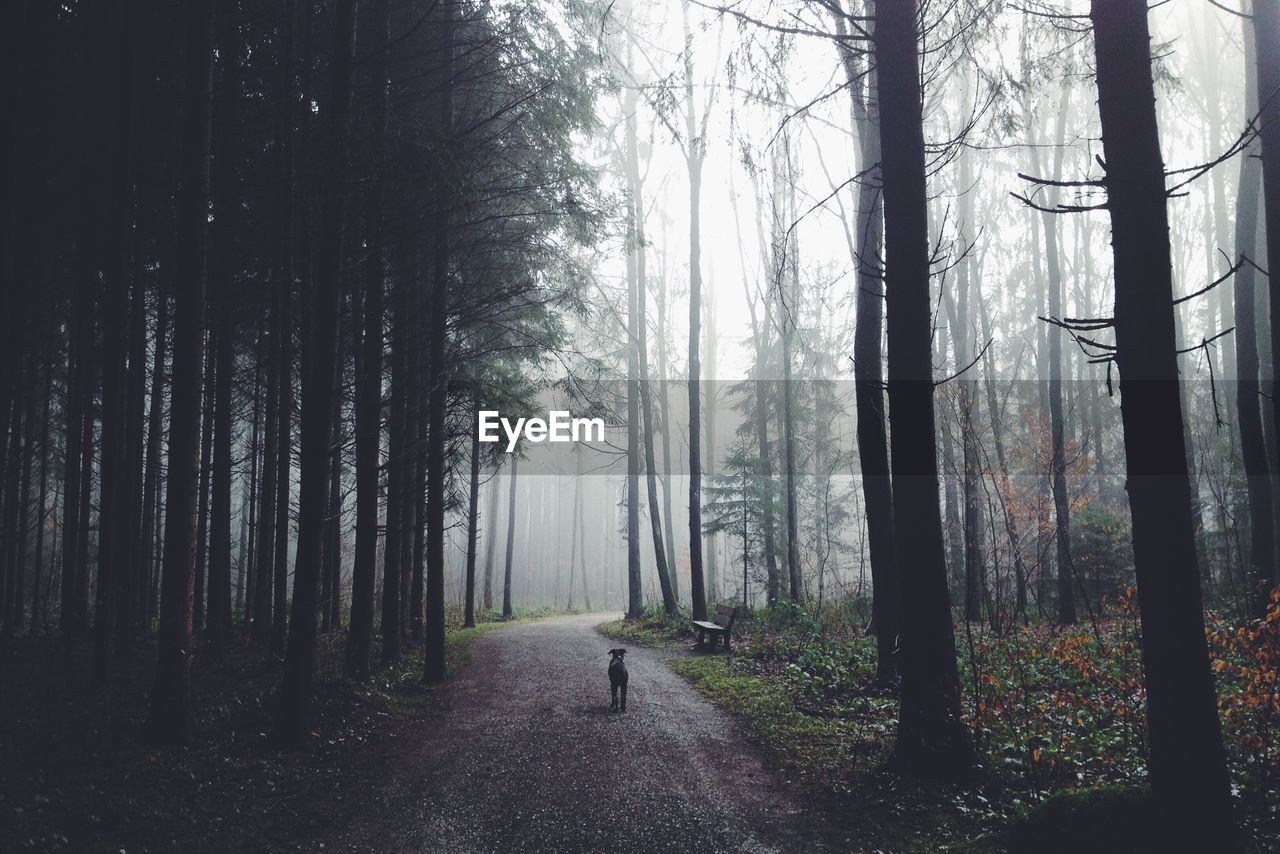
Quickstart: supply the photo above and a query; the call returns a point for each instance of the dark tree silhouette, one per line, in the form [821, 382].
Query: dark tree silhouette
[1187, 763]
[292, 718]
[932, 738]
[171, 697]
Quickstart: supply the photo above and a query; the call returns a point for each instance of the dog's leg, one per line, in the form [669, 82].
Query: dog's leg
[613, 690]
[624, 696]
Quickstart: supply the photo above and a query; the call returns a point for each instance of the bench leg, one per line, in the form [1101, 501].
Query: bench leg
[702, 638]
[727, 645]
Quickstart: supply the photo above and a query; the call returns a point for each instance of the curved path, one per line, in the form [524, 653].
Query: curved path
[526, 756]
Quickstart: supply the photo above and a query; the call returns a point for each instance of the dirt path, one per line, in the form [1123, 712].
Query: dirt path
[526, 756]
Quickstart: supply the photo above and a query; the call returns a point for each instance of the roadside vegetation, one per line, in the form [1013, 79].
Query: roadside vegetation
[1058, 717]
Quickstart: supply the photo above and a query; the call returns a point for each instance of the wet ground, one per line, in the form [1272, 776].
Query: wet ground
[525, 755]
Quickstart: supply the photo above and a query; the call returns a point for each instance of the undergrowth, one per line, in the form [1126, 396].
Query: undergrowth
[77, 772]
[1053, 713]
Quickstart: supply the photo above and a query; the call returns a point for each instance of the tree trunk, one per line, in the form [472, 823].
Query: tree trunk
[171, 700]
[1058, 465]
[76, 451]
[640, 343]
[932, 739]
[1187, 764]
[695, 152]
[1266, 30]
[491, 542]
[868, 375]
[635, 595]
[434, 667]
[202, 503]
[511, 543]
[369, 388]
[115, 522]
[393, 561]
[1253, 448]
[222, 285]
[293, 715]
[473, 532]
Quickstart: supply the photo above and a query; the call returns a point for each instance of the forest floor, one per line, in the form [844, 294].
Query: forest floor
[77, 772]
[1060, 730]
[780, 746]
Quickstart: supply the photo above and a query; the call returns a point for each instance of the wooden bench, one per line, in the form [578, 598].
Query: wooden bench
[723, 625]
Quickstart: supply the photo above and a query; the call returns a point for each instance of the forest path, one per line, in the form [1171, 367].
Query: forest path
[525, 755]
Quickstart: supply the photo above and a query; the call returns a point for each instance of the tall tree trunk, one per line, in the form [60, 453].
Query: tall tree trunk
[38, 588]
[788, 308]
[710, 343]
[491, 542]
[868, 370]
[115, 521]
[293, 715]
[171, 699]
[222, 284]
[331, 557]
[434, 669]
[1253, 448]
[284, 476]
[76, 452]
[473, 532]
[1266, 29]
[369, 387]
[640, 344]
[932, 739]
[511, 543]
[1058, 460]
[695, 152]
[393, 559]
[131, 580]
[202, 503]
[635, 595]
[664, 403]
[248, 568]
[1187, 764]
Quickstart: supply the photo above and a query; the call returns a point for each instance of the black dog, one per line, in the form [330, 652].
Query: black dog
[618, 679]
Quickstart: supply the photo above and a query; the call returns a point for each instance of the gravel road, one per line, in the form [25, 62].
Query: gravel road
[525, 755]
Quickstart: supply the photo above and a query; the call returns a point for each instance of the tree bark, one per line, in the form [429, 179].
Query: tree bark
[1253, 448]
[640, 343]
[434, 667]
[293, 715]
[473, 532]
[1187, 764]
[171, 699]
[932, 739]
[1266, 31]
[695, 152]
[491, 542]
[222, 285]
[511, 543]
[868, 375]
